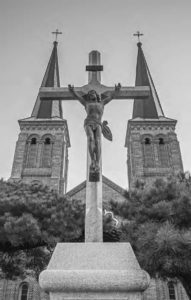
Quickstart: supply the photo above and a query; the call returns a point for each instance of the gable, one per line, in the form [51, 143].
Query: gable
[110, 190]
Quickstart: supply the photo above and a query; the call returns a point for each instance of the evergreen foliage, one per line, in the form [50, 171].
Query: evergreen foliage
[157, 223]
[32, 220]
[156, 220]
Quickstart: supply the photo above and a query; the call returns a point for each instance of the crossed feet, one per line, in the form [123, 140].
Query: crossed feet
[94, 167]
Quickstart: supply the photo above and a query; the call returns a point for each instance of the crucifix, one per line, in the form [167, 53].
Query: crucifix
[56, 34]
[94, 96]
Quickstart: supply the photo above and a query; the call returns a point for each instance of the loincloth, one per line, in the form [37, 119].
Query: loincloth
[94, 124]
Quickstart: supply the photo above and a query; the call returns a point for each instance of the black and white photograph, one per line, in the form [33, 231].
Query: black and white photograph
[95, 164]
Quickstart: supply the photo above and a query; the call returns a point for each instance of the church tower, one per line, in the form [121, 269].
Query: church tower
[41, 152]
[153, 148]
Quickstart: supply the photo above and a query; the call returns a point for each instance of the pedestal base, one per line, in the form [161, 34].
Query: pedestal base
[94, 271]
[96, 296]
[94, 176]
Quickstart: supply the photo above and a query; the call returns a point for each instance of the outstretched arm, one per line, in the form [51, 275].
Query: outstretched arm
[112, 94]
[76, 95]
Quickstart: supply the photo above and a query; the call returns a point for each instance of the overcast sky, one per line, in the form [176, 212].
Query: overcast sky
[106, 26]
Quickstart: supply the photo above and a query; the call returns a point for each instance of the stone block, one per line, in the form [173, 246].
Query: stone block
[93, 222]
[94, 271]
[94, 176]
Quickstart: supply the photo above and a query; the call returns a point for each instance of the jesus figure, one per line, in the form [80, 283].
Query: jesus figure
[94, 106]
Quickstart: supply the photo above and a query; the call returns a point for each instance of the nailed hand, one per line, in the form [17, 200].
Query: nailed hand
[117, 88]
[71, 88]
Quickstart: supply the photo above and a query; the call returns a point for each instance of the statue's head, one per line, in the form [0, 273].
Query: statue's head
[93, 96]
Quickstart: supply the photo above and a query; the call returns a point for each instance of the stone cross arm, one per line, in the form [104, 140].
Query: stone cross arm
[62, 93]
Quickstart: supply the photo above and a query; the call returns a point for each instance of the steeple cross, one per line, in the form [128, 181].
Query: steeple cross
[56, 33]
[138, 34]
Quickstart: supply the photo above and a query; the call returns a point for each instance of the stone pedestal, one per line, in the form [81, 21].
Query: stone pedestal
[94, 271]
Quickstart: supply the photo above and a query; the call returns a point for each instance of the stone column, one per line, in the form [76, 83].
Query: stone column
[93, 219]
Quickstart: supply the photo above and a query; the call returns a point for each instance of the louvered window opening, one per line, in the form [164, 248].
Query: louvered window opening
[24, 291]
[32, 153]
[148, 153]
[171, 290]
[163, 153]
[47, 153]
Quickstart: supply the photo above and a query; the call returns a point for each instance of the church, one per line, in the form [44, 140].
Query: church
[41, 152]
[42, 155]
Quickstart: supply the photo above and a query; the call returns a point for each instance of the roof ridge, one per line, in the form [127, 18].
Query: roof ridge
[112, 184]
[76, 189]
[105, 180]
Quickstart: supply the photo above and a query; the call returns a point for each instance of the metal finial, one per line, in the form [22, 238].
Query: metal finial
[138, 34]
[56, 33]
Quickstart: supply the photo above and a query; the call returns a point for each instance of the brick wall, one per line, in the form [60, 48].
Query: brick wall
[158, 290]
[53, 175]
[10, 290]
[155, 130]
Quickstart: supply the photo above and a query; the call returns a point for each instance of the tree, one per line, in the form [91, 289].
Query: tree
[157, 223]
[32, 220]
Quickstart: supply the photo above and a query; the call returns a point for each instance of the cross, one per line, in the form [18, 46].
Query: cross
[93, 219]
[138, 34]
[94, 66]
[56, 33]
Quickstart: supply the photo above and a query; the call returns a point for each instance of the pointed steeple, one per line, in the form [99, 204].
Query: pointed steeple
[47, 109]
[149, 108]
[51, 76]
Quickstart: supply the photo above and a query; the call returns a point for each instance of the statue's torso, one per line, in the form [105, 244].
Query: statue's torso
[94, 111]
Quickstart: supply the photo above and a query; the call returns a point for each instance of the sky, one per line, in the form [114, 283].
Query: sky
[106, 26]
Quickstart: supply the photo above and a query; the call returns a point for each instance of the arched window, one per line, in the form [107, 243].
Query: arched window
[23, 291]
[31, 156]
[161, 141]
[148, 153]
[171, 291]
[36, 182]
[163, 153]
[46, 153]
